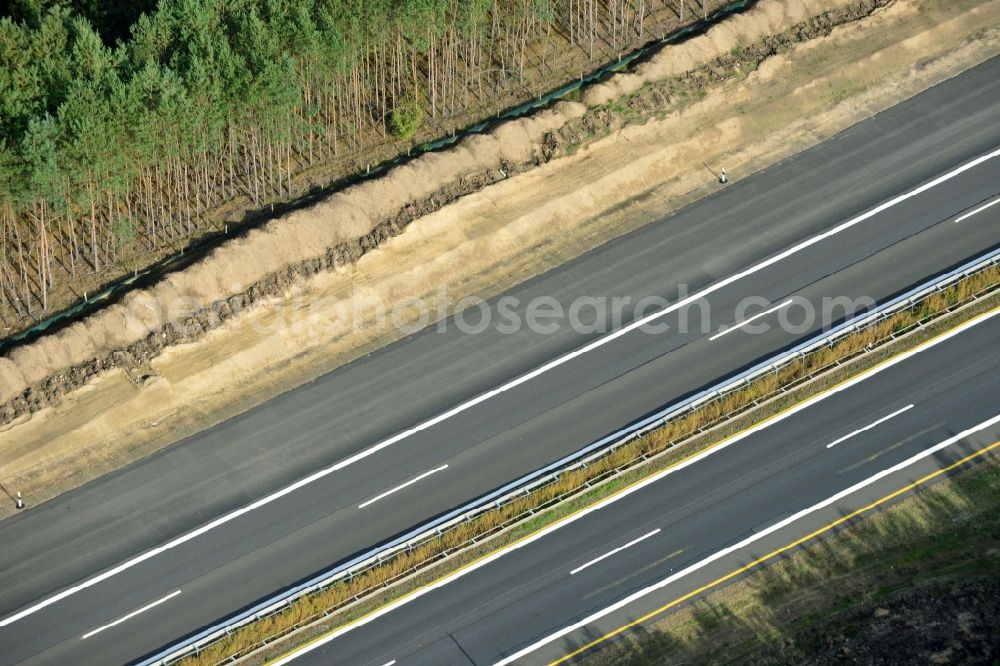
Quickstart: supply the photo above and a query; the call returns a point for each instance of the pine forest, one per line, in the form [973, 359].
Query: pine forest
[123, 133]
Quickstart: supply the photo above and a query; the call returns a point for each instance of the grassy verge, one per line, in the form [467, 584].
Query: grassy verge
[700, 428]
[915, 583]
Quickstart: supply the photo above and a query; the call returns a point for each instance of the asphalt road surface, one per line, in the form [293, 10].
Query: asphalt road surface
[522, 607]
[113, 547]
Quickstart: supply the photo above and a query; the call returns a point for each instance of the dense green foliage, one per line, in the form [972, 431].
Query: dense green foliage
[162, 113]
[406, 118]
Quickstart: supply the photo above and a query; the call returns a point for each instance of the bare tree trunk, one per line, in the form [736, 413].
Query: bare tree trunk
[72, 238]
[43, 257]
[93, 225]
[24, 266]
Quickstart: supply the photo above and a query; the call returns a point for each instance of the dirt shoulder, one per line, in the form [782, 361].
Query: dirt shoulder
[915, 583]
[554, 187]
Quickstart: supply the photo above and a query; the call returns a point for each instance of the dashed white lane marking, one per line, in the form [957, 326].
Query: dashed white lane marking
[130, 615]
[616, 550]
[978, 210]
[401, 486]
[743, 323]
[869, 426]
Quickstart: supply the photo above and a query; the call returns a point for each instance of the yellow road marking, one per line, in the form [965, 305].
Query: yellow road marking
[511, 546]
[773, 553]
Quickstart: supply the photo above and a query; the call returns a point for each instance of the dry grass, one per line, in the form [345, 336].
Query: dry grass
[314, 606]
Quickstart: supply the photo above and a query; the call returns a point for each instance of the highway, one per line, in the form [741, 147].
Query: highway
[197, 527]
[522, 607]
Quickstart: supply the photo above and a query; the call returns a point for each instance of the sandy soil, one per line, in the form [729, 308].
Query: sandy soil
[479, 245]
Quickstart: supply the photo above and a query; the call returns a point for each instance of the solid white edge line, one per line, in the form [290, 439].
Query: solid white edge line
[743, 323]
[130, 615]
[489, 394]
[569, 520]
[749, 540]
[978, 210]
[869, 426]
[401, 486]
[612, 552]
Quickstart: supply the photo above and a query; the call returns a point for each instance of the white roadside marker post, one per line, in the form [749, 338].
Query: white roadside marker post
[20, 502]
[722, 177]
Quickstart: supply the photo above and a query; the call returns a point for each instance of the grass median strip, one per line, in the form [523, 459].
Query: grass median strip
[351, 598]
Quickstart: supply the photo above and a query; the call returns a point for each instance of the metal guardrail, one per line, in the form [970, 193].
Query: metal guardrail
[553, 471]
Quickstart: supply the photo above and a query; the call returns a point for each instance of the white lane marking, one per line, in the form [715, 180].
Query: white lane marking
[489, 394]
[616, 550]
[130, 615]
[569, 520]
[869, 426]
[749, 540]
[978, 210]
[401, 486]
[389, 663]
[747, 321]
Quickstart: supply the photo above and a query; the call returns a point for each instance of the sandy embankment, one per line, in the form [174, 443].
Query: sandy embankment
[481, 244]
